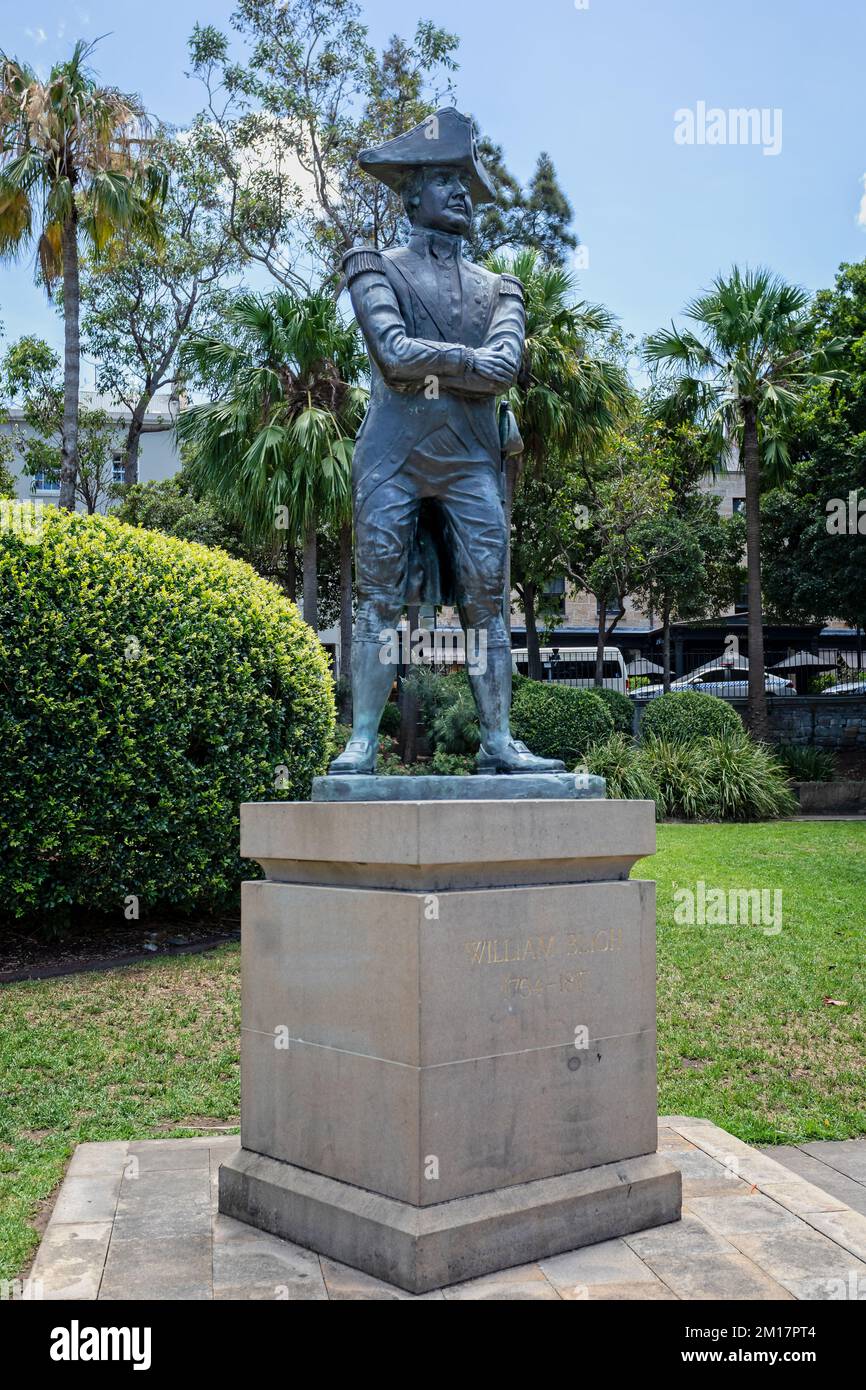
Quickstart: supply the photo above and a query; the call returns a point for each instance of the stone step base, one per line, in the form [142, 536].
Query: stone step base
[425, 1248]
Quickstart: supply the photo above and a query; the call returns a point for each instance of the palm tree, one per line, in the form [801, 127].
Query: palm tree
[75, 161]
[276, 442]
[567, 397]
[742, 375]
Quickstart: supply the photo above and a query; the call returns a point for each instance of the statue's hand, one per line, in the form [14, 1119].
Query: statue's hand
[494, 366]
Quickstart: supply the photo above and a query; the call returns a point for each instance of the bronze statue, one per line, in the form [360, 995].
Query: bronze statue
[445, 339]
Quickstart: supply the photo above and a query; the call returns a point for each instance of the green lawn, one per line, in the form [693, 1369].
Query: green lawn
[745, 1037]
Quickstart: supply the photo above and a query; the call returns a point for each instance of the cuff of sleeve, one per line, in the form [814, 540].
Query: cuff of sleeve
[458, 361]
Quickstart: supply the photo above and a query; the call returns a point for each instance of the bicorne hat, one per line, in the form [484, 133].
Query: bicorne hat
[445, 139]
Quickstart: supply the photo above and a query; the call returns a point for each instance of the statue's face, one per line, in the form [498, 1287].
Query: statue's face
[445, 203]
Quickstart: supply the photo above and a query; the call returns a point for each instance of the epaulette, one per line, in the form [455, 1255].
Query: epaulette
[361, 259]
[511, 285]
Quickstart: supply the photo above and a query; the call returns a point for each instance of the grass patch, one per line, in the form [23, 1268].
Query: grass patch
[745, 1037]
[145, 1052]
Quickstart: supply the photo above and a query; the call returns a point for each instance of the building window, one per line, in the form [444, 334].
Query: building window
[738, 505]
[611, 608]
[554, 598]
[44, 482]
[118, 475]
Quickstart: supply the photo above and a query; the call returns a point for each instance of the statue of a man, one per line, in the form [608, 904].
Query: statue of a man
[445, 338]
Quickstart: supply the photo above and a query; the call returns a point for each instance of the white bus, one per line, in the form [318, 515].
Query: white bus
[576, 666]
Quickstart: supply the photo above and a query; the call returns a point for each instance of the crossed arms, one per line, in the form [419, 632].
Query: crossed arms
[489, 370]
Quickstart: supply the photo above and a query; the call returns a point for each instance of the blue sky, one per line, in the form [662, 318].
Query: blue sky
[597, 84]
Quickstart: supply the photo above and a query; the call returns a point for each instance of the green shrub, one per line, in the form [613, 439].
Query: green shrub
[806, 764]
[390, 722]
[724, 778]
[620, 707]
[744, 781]
[455, 727]
[449, 765]
[557, 721]
[686, 714]
[678, 772]
[620, 762]
[638, 682]
[149, 686]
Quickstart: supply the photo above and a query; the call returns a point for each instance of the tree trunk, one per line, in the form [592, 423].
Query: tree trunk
[311, 594]
[291, 579]
[666, 648]
[512, 468]
[533, 649]
[133, 440]
[71, 364]
[600, 641]
[346, 615]
[752, 469]
[408, 742]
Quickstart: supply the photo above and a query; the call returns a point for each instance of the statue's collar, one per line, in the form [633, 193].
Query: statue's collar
[426, 241]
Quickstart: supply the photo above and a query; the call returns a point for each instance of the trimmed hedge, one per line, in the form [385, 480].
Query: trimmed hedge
[557, 721]
[686, 714]
[620, 707]
[149, 686]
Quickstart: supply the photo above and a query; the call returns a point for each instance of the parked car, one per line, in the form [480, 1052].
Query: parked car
[846, 688]
[728, 681]
[576, 666]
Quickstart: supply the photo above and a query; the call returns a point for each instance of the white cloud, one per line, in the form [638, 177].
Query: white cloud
[861, 215]
[38, 35]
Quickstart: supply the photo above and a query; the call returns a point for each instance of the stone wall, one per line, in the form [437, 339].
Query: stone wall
[826, 721]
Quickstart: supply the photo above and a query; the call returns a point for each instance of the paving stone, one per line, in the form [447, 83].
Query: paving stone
[753, 1212]
[723, 1277]
[852, 1289]
[170, 1160]
[646, 1291]
[95, 1160]
[164, 1204]
[157, 1235]
[823, 1175]
[87, 1199]
[160, 1270]
[611, 1262]
[846, 1228]
[793, 1255]
[802, 1197]
[265, 1273]
[344, 1284]
[847, 1156]
[70, 1260]
[522, 1284]
[687, 1237]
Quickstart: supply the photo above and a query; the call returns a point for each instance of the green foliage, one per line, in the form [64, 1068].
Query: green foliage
[620, 707]
[149, 687]
[720, 777]
[390, 722]
[455, 727]
[685, 714]
[449, 765]
[803, 763]
[744, 781]
[620, 761]
[556, 721]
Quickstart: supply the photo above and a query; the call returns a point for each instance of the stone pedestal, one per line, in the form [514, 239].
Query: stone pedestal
[449, 1054]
